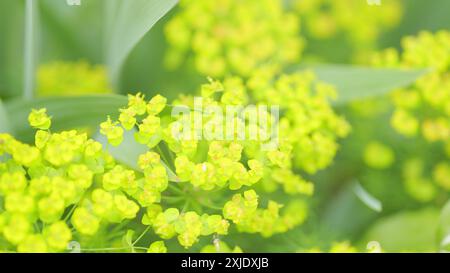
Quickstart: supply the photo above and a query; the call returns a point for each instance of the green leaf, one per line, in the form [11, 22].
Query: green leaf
[444, 228]
[413, 231]
[129, 151]
[334, 218]
[127, 239]
[356, 83]
[11, 48]
[66, 112]
[4, 121]
[127, 22]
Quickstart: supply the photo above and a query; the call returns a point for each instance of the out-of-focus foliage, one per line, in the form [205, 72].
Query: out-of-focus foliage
[71, 78]
[353, 24]
[423, 109]
[228, 37]
[425, 106]
[406, 231]
[383, 127]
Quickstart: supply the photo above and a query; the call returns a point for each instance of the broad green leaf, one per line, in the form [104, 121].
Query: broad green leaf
[126, 23]
[412, 231]
[65, 28]
[4, 121]
[115, 27]
[356, 83]
[66, 112]
[129, 151]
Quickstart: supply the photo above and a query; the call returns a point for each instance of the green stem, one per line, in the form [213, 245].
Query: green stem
[163, 155]
[176, 189]
[140, 236]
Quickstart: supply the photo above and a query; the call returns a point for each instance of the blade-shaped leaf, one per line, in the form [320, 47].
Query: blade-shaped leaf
[444, 228]
[127, 22]
[66, 112]
[11, 48]
[356, 83]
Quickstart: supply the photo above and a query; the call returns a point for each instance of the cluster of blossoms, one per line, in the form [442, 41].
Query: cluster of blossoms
[425, 106]
[71, 78]
[423, 109]
[360, 23]
[309, 127]
[205, 165]
[420, 184]
[378, 155]
[197, 177]
[309, 124]
[234, 37]
[58, 189]
[185, 186]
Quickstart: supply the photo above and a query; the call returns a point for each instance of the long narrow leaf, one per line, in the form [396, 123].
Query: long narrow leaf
[357, 83]
[66, 112]
[127, 22]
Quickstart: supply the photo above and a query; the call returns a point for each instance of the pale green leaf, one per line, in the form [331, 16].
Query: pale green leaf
[127, 22]
[444, 228]
[412, 231]
[66, 112]
[356, 83]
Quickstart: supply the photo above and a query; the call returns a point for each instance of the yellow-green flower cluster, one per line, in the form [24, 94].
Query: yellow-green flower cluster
[423, 183]
[378, 156]
[309, 126]
[157, 247]
[202, 165]
[71, 78]
[360, 23]
[423, 108]
[232, 37]
[186, 226]
[224, 165]
[244, 212]
[224, 43]
[63, 187]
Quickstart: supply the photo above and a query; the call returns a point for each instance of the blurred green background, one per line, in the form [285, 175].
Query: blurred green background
[66, 33]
